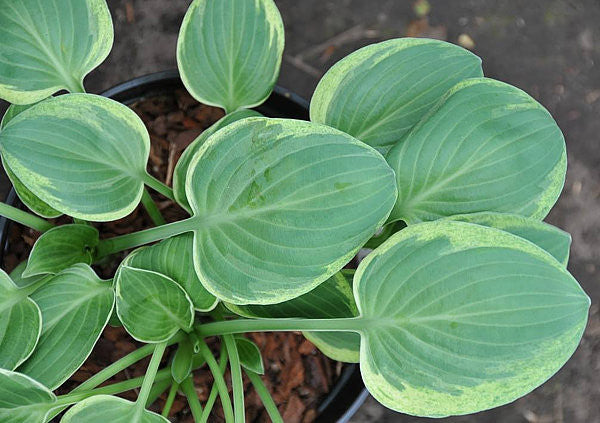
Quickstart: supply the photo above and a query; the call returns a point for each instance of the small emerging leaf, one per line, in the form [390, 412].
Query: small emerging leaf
[75, 306]
[280, 205]
[331, 299]
[82, 154]
[378, 93]
[173, 258]
[250, 357]
[22, 399]
[61, 247]
[183, 164]
[457, 318]
[182, 361]
[106, 408]
[20, 324]
[17, 276]
[487, 146]
[229, 52]
[49, 45]
[152, 306]
[548, 237]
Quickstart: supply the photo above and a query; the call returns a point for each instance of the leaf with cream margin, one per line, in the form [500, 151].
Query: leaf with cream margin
[106, 408]
[50, 45]
[486, 146]
[23, 399]
[456, 318]
[82, 154]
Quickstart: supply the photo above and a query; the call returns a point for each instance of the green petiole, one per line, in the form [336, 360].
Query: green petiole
[219, 382]
[265, 396]
[351, 324]
[27, 219]
[158, 186]
[170, 398]
[212, 397]
[140, 404]
[152, 209]
[187, 386]
[236, 379]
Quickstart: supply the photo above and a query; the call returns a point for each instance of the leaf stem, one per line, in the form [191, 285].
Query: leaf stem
[350, 324]
[152, 209]
[236, 379]
[219, 382]
[212, 397]
[119, 243]
[30, 220]
[189, 390]
[170, 399]
[159, 350]
[158, 186]
[265, 396]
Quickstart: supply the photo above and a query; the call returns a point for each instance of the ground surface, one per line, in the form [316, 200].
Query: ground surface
[549, 48]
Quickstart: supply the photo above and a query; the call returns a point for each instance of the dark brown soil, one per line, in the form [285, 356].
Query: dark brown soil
[296, 373]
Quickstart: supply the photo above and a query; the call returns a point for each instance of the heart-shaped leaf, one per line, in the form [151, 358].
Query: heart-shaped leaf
[548, 237]
[75, 307]
[249, 354]
[331, 299]
[173, 258]
[22, 399]
[82, 154]
[229, 53]
[46, 46]
[106, 408]
[458, 318]
[27, 197]
[281, 205]
[488, 146]
[20, 323]
[151, 306]
[379, 92]
[61, 247]
[183, 163]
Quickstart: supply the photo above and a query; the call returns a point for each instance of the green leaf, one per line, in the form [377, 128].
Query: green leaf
[378, 93]
[20, 324]
[173, 258]
[182, 361]
[281, 205]
[22, 399]
[183, 163]
[17, 276]
[50, 45]
[82, 154]
[75, 307]
[27, 197]
[331, 299]
[250, 357]
[548, 237]
[106, 408]
[229, 53]
[487, 146]
[61, 247]
[458, 318]
[151, 306]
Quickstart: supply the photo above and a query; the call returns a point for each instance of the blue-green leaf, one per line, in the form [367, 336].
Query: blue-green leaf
[249, 354]
[76, 306]
[82, 154]
[487, 146]
[281, 205]
[458, 318]
[378, 93]
[22, 399]
[106, 408]
[229, 53]
[61, 247]
[49, 45]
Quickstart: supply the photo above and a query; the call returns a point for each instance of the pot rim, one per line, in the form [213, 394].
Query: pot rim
[348, 393]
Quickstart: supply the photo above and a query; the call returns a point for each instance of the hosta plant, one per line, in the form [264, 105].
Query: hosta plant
[464, 304]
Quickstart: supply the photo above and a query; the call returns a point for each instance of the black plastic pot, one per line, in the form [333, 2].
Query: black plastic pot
[349, 393]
